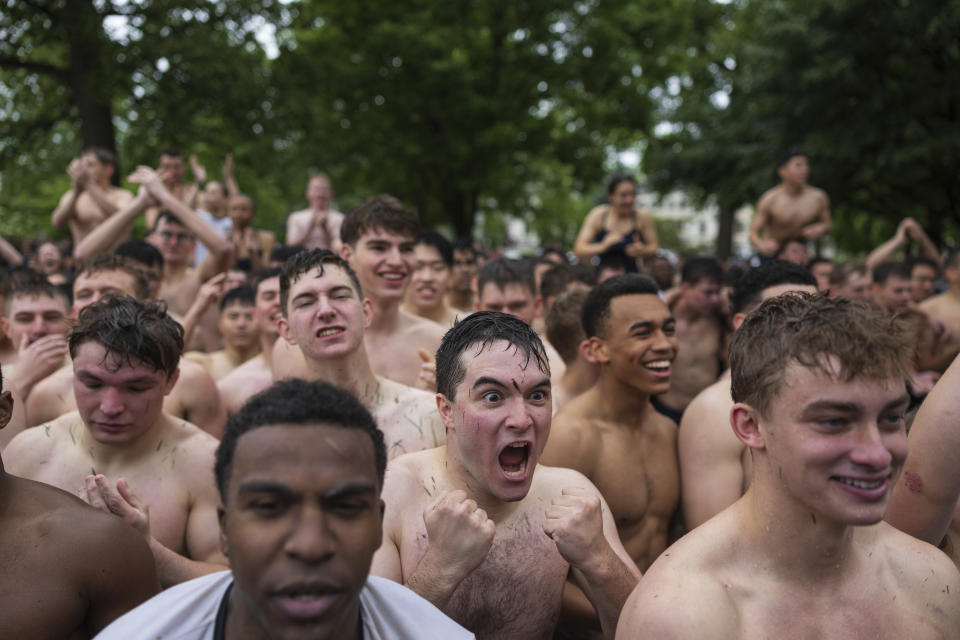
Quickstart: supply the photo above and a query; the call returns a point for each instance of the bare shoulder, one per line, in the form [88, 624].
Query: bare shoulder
[709, 412]
[119, 195]
[768, 197]
[411, 481]
[819, 194]
[573, 439]
[549, 482]
[422, 329]
[194, 444]
[923, 568]
[37, 445]
[676, 600]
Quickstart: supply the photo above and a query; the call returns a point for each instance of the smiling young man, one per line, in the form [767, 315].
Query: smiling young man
[325, 316]
[125, 356]
[299, 472]
[820, 392]
[613, 435]
[477, 526]
[379, 237]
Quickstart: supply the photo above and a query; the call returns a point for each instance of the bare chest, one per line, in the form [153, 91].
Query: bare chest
[180, 294]
[405, 428]
[515, 593]
[156, 482]
[394, 358]
[640, 479]
[38, 602]
[790, 213]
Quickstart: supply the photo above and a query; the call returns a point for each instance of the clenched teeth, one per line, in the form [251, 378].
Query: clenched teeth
[329, 332]
[861, 484]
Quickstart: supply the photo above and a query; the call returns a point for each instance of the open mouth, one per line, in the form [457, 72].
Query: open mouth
[862, 484]
[307, 602]
[658, 367]
[867, 489]
[513, 459]
[332, 331]
[393, 276]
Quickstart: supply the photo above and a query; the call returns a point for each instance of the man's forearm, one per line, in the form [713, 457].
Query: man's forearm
[212, 240]
[106, 233]
[434, 584]
[607, 585]
[65, 210]
[173, 568]
[102, 199]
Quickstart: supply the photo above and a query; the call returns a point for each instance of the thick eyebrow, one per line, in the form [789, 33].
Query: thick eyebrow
[647, 324]
[485, 380]
[84, 373]
[851, 407]
[337, 493]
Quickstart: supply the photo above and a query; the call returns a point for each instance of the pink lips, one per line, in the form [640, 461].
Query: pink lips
[306, 609]
[869, 494]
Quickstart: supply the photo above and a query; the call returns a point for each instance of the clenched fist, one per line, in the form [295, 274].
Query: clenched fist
[575, 523]
[459, 532]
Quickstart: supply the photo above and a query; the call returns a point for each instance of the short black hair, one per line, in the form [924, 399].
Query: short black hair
[104, 156]
[439, 242]
[465, 243]
[617, 179]
[245, 295]
[306, 261]
[748, 289]
[266, 274]
[484, 328]
[132, 331]
[382, 212]
[171, 152]
[504, 271]
[701, 268]
[886, 270]
[283, 252]
[141, 251]
[301, 403]
[788, 155]
[924, 260]
[556, 279]
[171, 218]
[596, 308]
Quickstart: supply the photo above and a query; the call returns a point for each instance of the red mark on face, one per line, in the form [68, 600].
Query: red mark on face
[913, 481]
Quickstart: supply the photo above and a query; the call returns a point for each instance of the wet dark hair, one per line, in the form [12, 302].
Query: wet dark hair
[701, 268]
[596, 308]
[617, 179]
[301, 403]
[114, 262]
[814, 331]
[439, 242]
[305, 262]
[484, 328]
[132, 331]
[504, 271]
[244, 295]
[104, 156]
[141, 251]
[382, 212]
[748, 289]
[886, 270]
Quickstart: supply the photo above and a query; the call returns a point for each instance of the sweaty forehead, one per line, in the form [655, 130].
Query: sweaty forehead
[497, 359]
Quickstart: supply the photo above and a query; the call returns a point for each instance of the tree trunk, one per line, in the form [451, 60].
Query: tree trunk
[725, 217]
[89, 76]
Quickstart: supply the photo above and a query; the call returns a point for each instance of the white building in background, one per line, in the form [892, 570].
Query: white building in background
[699, 226]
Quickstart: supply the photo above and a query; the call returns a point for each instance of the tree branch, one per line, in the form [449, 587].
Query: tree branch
[9, 62]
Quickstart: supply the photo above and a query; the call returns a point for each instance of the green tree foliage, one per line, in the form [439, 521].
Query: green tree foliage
[868, 89]
[466, 106]
[130, 76]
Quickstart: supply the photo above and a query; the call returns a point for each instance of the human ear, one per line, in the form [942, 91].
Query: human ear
[745, 421]
[283, 328]
[598, 350]
[346, 251]
[445, 409]
[222, 520]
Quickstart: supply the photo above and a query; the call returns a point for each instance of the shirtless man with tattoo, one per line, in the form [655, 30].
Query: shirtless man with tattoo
[125, 355]
[820, 392]
[478, 527]
[613, 435]
[325, 316]
[91, 198]
[715, 465]
[792, 209]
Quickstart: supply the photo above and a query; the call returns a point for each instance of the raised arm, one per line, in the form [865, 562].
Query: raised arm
[885, 251]
[581, 525]
[926, 494]
[67, 207]
[218, 246]
[228, 178]
[915, 231]
[105, 234]
[10, 253]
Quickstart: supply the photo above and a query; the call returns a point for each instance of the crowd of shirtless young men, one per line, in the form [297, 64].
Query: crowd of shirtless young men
[370, 431]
